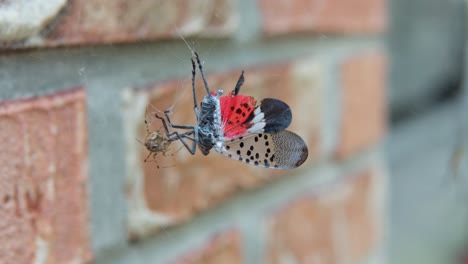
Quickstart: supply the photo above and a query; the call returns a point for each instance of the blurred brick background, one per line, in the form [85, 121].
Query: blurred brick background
[74, 187]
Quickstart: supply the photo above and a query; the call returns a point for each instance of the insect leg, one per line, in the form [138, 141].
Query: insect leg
[172, 136]
[184, 136]
[175, 135]
[163, 121]
[149, 155]
[146, 125]
[202, 73]
[194, 89]
[170, 123]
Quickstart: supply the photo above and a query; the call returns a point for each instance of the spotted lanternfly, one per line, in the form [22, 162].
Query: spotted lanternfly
[239, 128]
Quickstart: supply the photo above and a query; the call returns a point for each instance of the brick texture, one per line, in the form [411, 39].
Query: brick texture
[363, 80]
[109, 21]
[43, 168]
[340, 224]
[223, 248]
[325, 16]
[23, 19]
[185, 184]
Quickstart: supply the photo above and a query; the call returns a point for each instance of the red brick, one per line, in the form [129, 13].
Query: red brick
[121, 21]
[332, 16]
[16, 232]
[42, 191]
[304, 232]
[363, 120]
[363, 228]
[223, 248]
[185, 184]
[21, 20]
[336, 225]
[221, 18]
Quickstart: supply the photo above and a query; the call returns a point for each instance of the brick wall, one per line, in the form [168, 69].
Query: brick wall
[74, 186]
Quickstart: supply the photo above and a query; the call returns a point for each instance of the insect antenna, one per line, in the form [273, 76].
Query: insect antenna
[192, 50]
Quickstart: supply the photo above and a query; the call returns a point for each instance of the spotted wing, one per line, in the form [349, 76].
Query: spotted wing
[281, 150]
[235, 111]
[240, 118]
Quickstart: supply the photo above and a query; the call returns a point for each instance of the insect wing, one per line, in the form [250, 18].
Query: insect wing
[276, 114]
[235, 112]
[281, 150]
[240, 118]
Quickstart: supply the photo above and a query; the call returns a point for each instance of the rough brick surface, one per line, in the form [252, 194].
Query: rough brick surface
[43, 166]
[185, 184]
[25, 18]
[110, 21]
[363, 120]
[338, 225]
[223, 248]
[326, 16]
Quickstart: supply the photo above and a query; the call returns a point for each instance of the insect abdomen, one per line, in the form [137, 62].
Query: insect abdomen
[209, 123]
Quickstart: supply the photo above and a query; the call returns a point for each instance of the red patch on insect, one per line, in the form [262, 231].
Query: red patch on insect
[235, 110]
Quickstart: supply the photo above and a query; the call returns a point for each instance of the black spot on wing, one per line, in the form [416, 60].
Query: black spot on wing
[277, 115]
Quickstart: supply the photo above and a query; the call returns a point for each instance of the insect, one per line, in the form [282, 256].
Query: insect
[155, 142]
[236, 126]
